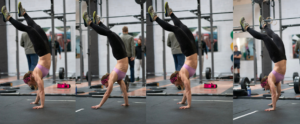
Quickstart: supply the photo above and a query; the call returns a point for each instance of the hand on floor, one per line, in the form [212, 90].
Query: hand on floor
[125, 104]
[270, 109]
[96, 106]
[38, 107]
[184, 107]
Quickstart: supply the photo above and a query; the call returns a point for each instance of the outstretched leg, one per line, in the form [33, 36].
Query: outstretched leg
[277, 40]
[270, 45]
[186, 30]
[30, 22]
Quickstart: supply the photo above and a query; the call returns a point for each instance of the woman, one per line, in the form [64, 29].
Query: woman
[276, 51]
[187, 44]
[119, 52]
[41, 47]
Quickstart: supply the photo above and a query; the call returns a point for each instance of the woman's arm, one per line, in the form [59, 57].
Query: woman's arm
[41, 92]
[273, 96]
[107, 93]
[125, 95]
[183, 99]
[187, 93]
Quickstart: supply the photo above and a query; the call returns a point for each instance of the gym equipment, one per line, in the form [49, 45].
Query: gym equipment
[244, 83]
[97, 86]
[63, 85]
[260, 76]
[103, 91]
[96, 93]
[61, 73]
[236, 78]
[208, 73]
[11, 88]
[7, 91]
[210, 85]
[154, 91]
[153, 84]
[157, 88]
[87, 76]
[295, 74]
[296, 85]
[239, 92]
[140, 1]
[6, 84]
[32, 87]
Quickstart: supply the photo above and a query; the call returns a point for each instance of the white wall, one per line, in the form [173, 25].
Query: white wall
[124, 8]
[222, 62]
[40, 5]
[221, 58]
[289, 9]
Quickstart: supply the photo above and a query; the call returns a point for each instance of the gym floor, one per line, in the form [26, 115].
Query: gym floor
[18, 110]
[134, 90]
[49, 87]
[204, 109]
[251, 111]
[258, 92]
[111, 112]
[224, 87]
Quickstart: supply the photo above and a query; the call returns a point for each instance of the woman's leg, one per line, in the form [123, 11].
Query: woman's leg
[270, 45]
[277, 40]
[18, 25]
[186, 30]
[31, 23]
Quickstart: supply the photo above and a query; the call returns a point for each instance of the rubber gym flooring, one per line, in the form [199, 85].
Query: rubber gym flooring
[258, 92]
[18, 110]
[251, 111]
[111, 112]
[134, 90]
[49, 87]
[204, 110]
[224, 87]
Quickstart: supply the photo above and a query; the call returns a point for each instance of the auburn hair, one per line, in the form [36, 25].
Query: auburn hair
[174, 74]
[105, 76]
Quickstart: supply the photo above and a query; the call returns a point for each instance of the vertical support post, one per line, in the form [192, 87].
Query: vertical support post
[17, 42]
[163, 41]
[65, 39]
[107, 42]
[199, 41]
[280, 25]
[53, 42]
[89, 47]
[81, 51]
[212, 41]
[143, 44]
[254, 46]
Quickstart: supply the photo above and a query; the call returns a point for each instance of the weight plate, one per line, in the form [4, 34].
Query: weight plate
[296, 85]
[208, 73]
[61, 73]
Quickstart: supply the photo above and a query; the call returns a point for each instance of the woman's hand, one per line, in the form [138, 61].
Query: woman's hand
[270, 109]
[125, 104]
[181, 103]
[34, 103]
[96, 106]
[38, 107]
[184, 107]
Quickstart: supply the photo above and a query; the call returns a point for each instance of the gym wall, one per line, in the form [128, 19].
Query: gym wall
[222, 62]
[41, 5]
[116, 8]
[288, 10]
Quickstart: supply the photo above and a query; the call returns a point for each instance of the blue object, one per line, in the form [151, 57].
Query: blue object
[249, 91]
[231, 57]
